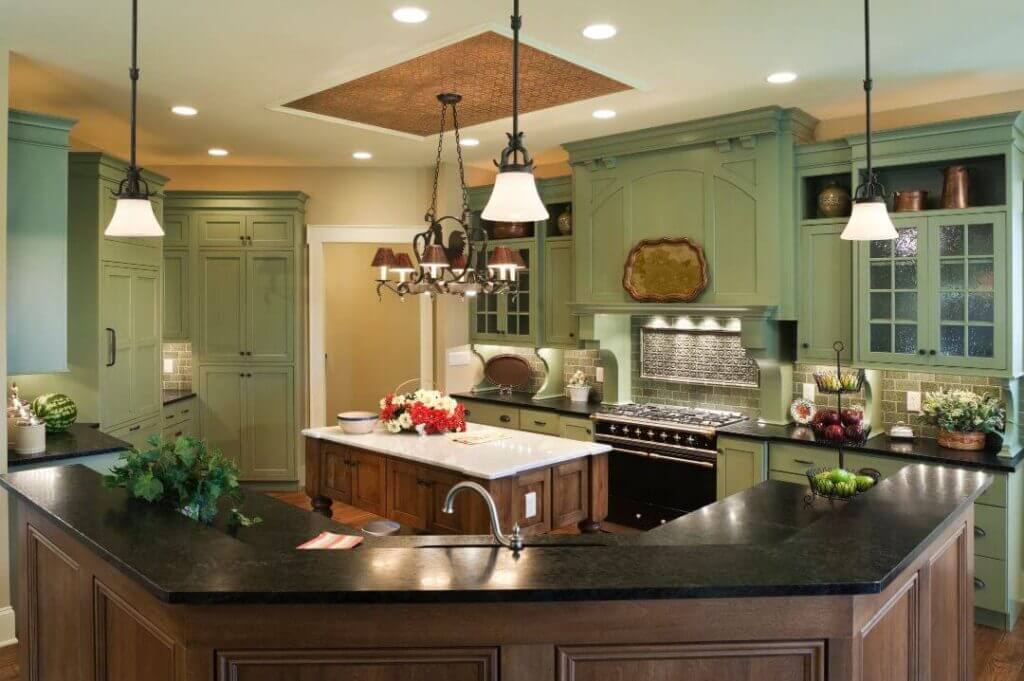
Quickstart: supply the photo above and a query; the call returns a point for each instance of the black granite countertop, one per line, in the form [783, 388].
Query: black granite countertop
[921, 448]
[561, 405]
[81, 439]
[760, 542]
[172, 396]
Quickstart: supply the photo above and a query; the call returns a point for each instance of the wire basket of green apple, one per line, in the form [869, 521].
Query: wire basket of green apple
[838, 484]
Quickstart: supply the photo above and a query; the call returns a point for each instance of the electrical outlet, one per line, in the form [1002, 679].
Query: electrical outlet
[530, 504]
[168, 366]
[599, 375]
[914, 401]
[809, 392]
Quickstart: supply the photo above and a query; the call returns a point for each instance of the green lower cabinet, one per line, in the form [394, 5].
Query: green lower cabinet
[176, 295]
[561, 326]
[826, 292]
[782, 476]
[575, 428]
[742, 463]
[138, 434]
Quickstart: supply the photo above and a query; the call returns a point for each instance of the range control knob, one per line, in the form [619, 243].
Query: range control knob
[650, 433]
[691, 440]
[664, 435]
[612, 428]
[676, 437]
[625, 430]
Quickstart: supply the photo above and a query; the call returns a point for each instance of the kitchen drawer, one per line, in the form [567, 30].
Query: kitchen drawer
[884, 465]
[990, 531]
[996, 494]
[492, 415]
[990, 584]
[181, 429]
[179, 411]
[575, 428]
[799, 479]
[797, 459]
[537, 421]
[137, 433]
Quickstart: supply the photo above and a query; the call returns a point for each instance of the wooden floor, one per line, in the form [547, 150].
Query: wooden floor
[998, 655]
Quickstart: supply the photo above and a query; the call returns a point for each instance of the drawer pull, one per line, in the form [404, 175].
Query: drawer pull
[178, 434]
[505, 418]
[979, 583]
[540, 423]
[134, 428]
[185, 411]
[804, 462]
[169, 417]
[979, 531]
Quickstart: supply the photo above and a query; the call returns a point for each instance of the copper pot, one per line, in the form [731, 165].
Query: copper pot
[909, 201]
[955, 184]
[512, 230]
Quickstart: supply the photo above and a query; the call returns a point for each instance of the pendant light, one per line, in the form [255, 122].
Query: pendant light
[133, 214]
[869, 220]
[514, 197]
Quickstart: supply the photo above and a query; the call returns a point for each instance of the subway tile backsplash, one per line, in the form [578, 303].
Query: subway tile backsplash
[181, 377]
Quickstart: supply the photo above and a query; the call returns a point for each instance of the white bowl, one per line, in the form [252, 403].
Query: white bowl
[357, 422]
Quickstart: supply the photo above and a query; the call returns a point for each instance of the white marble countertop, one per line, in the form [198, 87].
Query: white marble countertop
[521, 452]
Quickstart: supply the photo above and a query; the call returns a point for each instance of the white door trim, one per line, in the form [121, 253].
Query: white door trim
[316, 237]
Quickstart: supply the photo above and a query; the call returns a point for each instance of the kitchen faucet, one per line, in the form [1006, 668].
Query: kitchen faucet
[514, 542]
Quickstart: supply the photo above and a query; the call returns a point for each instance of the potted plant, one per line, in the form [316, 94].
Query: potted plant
[185, 475]
[579, 389]
[963, 417]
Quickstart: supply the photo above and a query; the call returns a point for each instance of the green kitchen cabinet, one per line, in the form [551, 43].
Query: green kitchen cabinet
[246, 229]
[561, 327]
[247, 413]
[826, 292]
[138, 434]
[742, 463]
[270, 230]
[246, 306]
[37, 242]
[225, 230]
[510, 319]
[177, 230]
[177, 295]
[937, 294]
[115, 306]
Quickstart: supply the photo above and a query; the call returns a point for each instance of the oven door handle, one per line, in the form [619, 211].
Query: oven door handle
[634, 452]
[679, 459]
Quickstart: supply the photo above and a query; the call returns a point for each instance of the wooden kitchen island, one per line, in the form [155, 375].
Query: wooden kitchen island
[540, 481]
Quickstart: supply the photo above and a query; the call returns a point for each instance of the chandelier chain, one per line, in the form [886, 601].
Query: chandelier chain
[432, 212]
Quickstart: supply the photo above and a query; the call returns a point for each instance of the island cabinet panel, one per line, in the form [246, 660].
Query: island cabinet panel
[951, 605]
[397, 664]
[570, 488]
[408, 494]
[129, 647]
[889, 643]
[54, 647]
[369, 482]
[533, 513]
[470, 513]
[789, 661]
[337, 473]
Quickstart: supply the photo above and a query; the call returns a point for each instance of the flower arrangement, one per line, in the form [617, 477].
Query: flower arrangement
[963, 417]
[579, 388]
[425, 411]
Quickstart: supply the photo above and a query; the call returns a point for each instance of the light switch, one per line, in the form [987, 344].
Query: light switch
[459, 358]
[599, 374]
[914, 401]
[809, 392]
[530, 505]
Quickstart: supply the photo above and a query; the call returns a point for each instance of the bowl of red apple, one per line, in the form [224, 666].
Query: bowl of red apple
[841, 427]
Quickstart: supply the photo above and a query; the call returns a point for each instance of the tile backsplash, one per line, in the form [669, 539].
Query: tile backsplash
[181, 377]
[586, 361]
[746, 400]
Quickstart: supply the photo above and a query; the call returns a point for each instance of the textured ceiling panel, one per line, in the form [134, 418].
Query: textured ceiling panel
[403, 97]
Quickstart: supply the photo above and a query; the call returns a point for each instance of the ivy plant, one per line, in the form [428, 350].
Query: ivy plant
[184, 474]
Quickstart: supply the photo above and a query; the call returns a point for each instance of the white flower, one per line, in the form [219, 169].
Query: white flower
[421, 429]
[393, 427]
[404, 420]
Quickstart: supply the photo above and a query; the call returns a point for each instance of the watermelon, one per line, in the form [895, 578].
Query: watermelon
[58, 411]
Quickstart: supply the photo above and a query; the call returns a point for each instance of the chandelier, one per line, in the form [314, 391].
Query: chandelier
[462, 267]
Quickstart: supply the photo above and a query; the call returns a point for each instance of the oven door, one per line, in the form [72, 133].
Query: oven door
[647, 488]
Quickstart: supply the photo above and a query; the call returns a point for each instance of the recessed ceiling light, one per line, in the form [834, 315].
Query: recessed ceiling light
[217, 152]
[781, 77]
[599, 31]
[410, 15]
[362, 155]
[183, 110]
[604, 113]
[469, 142]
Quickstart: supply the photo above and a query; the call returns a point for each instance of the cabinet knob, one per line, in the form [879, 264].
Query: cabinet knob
[979, 532]
[505, 418]
[242, 238]
[178, 434]
[931, 352]
[241, 352]
[169, 417]
[572, 335]
[805, 346]
[979, 583]
[134, 428]
[921, 352]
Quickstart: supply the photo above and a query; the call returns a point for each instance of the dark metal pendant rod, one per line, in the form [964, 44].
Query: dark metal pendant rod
[133, 73]
[867, 87]
[517, 22]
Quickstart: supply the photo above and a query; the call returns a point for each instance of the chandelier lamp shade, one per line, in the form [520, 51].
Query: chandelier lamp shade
[460, 267]
[133, 214]
[869, 219]
[515, 197]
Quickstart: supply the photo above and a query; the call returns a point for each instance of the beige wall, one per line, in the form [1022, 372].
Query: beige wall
[6, 612]
[371, 345]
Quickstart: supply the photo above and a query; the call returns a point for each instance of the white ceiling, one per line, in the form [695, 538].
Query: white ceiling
[234, 59]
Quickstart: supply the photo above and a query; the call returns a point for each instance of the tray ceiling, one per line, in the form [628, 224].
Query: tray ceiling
[402, 97]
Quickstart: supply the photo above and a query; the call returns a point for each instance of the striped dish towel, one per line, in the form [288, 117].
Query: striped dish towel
[329, 540]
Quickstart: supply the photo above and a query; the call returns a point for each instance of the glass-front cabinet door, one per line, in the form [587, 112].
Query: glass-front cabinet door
[507, 318]
[893, 301]
[968, 276]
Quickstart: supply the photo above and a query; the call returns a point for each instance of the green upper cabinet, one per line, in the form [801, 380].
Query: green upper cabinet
[177, 295]
[510, 318]
[560, 325]
[270, 306]
[225, 230]
[37, 243]
[221, 336]
[724, 183]
[177, 230]
[270, 230]
[826, 294]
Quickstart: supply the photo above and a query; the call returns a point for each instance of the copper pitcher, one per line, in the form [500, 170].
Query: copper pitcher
[954, 187]
[909, 200]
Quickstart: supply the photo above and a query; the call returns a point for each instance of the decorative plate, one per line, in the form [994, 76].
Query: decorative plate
[508, 371]
[802, 411]
[669, 270]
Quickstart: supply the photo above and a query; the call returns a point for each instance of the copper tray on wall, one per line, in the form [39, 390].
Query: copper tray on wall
[668, 270]
[508, 371]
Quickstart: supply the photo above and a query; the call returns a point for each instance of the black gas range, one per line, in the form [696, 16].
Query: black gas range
[664, 460]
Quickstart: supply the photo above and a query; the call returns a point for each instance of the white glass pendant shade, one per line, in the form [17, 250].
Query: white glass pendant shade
[134, 217]
[515, 199]
[869, 221]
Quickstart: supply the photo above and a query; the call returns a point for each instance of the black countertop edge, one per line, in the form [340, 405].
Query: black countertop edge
[172, 396]
[762, 542]
[561, 405]
[920, 448]
[81, 439]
